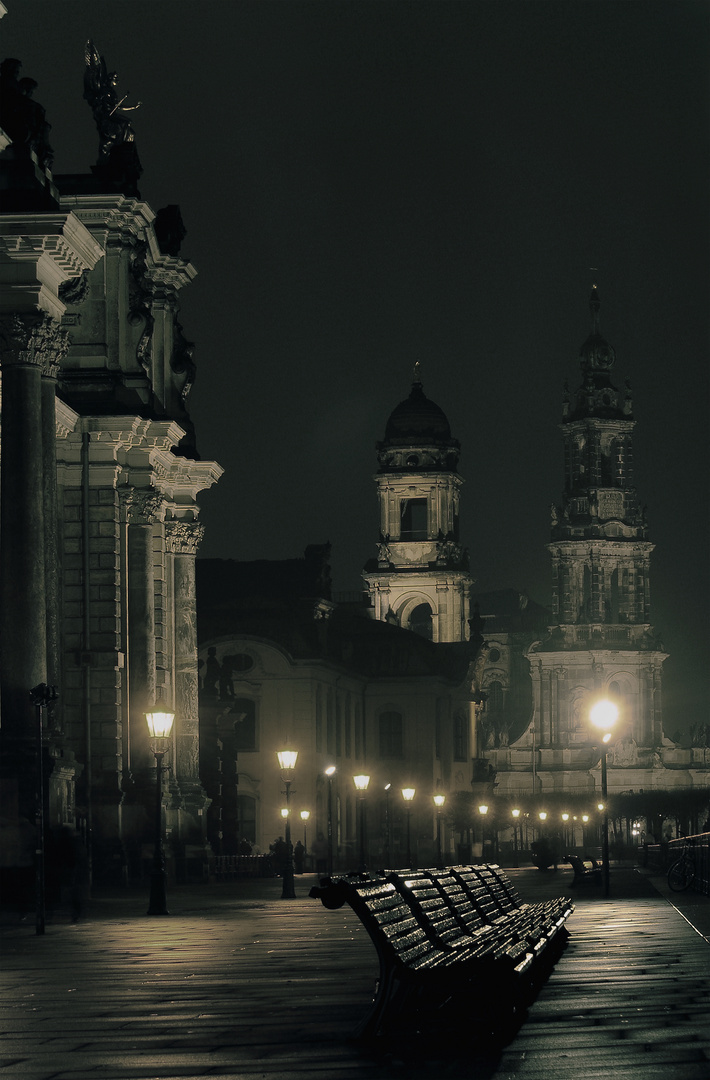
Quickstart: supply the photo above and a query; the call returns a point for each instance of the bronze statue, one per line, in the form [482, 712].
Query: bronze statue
[118, 158]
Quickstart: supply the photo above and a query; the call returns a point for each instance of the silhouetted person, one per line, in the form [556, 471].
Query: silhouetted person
[299, 855]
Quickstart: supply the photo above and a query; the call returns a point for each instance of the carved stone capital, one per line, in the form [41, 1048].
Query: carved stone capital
[183, 537]
[142, 506]
[33, 340]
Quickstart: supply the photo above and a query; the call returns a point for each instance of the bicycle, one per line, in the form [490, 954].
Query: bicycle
[681, 873]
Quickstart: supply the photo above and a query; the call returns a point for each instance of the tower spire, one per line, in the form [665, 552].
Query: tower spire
[594, 305]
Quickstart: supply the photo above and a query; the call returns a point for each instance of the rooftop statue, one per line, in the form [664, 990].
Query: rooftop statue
[22, 118]
[118, 157]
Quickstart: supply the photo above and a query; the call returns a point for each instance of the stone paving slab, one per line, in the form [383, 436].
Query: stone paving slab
[238, 983]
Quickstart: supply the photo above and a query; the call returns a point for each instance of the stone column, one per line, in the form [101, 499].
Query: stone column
[143, 509]
[182, 539]
[29, 345]
[51, 533]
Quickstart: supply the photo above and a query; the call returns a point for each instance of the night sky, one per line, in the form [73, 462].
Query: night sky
[365, 185]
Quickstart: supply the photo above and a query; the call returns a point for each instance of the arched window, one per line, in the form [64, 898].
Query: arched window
[245, 730]
[420, 621]
[391, 735]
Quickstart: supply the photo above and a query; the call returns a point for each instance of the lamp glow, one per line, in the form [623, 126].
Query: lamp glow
[408, 793]
[287, 758]
[604, 715]
[439, 800]
[305, 814]
[160, 724]
[483, 809]
[361, 782]
[515, 813]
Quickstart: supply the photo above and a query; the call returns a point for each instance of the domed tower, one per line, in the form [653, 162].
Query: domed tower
[420, 578]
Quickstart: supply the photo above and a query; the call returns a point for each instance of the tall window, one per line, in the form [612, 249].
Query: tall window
[246, 811]
[460, 736]
[414, 519]
[495, 698]
[330, 723]
[391, 741]
[348, 727]
[244, 711]
[319, 718]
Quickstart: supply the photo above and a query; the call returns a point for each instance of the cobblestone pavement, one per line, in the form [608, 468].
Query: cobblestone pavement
[239, 983]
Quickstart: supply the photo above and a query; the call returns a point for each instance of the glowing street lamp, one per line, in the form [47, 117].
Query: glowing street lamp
[388, 838]
[361, 783]
[603, 715]
[160, 724]
[439, 801]
[330, 772]
[287, 764]
[408, 794]
[305, 814]
[483, 810]
[516, 814]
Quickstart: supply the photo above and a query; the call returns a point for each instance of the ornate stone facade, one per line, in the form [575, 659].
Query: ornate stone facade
[99, 515]
[601, 643]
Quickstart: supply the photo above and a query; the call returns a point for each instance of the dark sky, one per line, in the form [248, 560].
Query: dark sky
[365, 185]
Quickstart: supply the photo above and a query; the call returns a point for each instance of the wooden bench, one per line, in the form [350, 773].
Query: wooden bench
[443, 940]
[585, 870]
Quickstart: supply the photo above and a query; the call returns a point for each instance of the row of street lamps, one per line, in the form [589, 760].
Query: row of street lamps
[603, 715]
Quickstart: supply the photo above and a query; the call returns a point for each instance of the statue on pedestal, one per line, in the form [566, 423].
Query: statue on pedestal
[118, 157]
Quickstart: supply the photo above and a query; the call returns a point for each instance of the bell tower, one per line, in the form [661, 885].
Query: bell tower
[420, 578]
[601, 643]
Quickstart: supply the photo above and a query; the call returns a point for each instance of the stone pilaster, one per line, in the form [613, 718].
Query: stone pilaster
[143, 509]
[182, 540]
[30, 345]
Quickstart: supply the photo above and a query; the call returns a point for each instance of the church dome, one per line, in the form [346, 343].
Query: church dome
[417, 419]
[418, 436]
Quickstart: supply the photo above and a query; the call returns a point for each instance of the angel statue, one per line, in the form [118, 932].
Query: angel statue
[118, 158]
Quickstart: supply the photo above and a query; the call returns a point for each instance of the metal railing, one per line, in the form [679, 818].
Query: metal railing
[229, 867]
[660, 856]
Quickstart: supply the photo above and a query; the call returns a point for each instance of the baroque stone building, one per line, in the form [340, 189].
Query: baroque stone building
[284, 666]
[599, 642]
[420, 578]
[98, 488]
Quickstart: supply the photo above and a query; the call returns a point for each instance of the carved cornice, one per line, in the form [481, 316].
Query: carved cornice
[33, 340]
[183, 537]
[142, 506]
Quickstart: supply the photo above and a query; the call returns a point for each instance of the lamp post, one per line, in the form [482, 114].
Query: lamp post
[439, 801]
[565, 831]
[329, 773]
[516, 815]
[41, 697]
[483, 810]
[287, 763]
[361, 783]
[388, 843]
[407, 795]
[305, 814]
[604, 715]
[160, 724]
